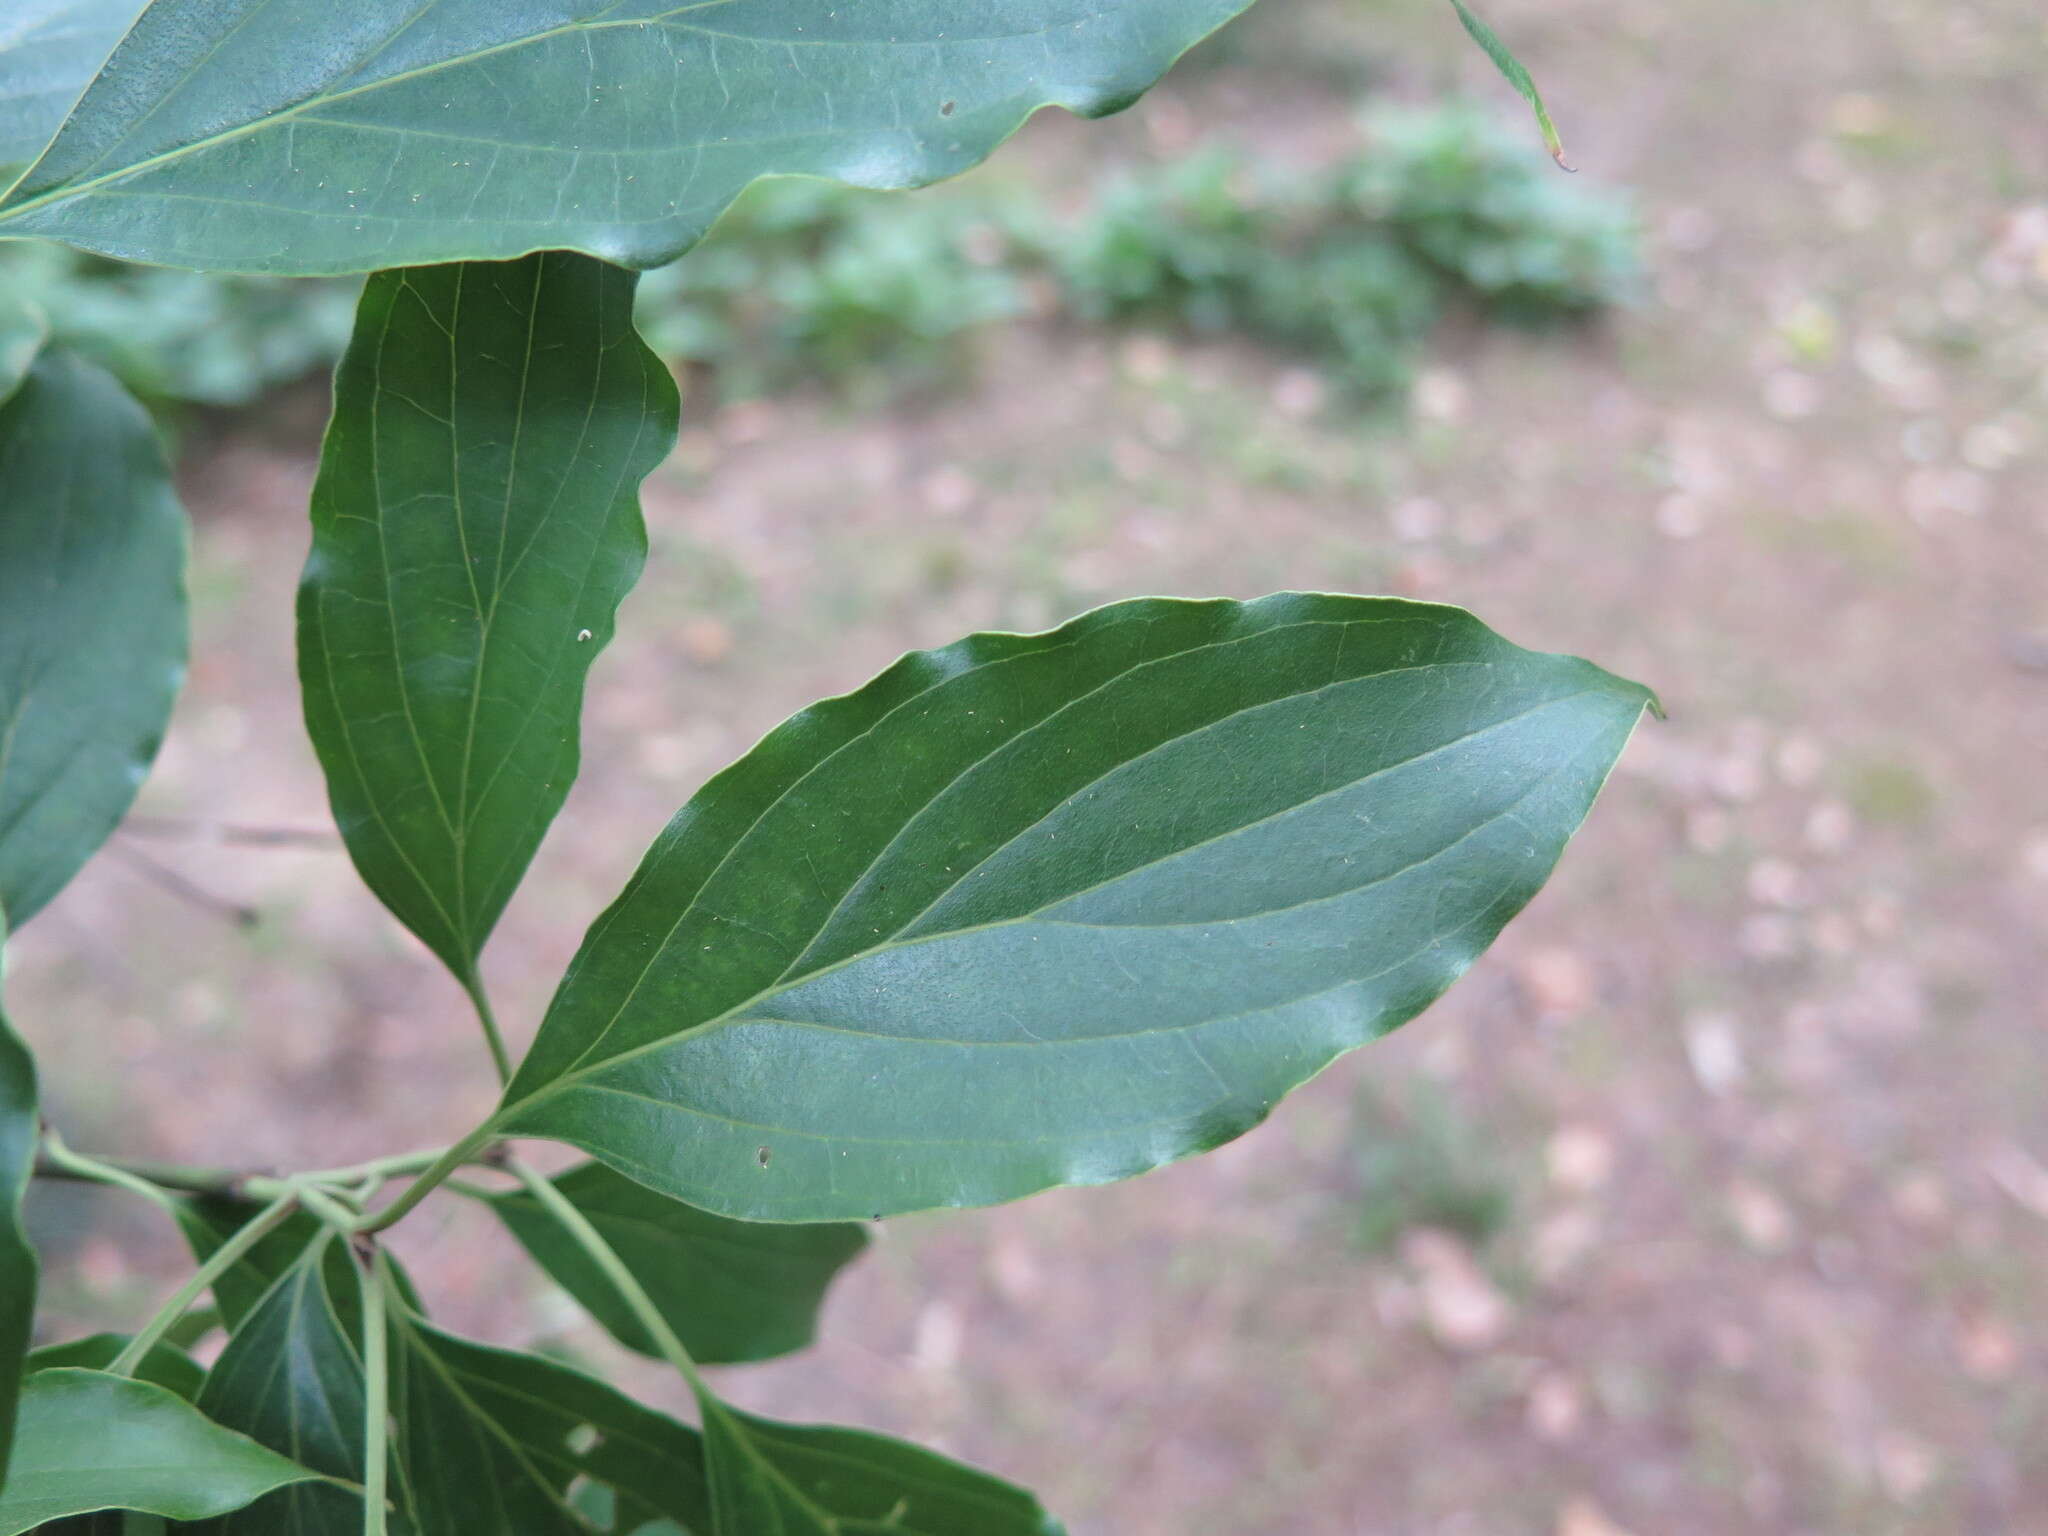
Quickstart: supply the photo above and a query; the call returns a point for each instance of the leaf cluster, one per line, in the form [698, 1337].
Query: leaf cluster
[1019, 912]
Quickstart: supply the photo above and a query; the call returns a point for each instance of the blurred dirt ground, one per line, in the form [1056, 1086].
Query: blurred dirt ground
[1715, 1200]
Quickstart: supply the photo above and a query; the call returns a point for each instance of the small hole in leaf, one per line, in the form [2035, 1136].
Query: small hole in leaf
[762, 1157]
[945, 109]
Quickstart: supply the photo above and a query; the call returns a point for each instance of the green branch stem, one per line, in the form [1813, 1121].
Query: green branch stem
[223, 1258]
[372, 1274]
[465, 1150]
[58, 1161]
[592, 1242]
[473, 984]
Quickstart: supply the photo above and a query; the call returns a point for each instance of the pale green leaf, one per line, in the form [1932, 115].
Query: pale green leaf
[274, 136]
[49, 49]
[88, 1441]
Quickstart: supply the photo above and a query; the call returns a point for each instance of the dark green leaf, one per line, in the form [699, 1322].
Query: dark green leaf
[165, 1365]
[749, 1497]
[770, 1479]
[19, 1132]
[90, 1441]
[731, 1290]
[92, 619]
[210, 1220]
[23, 330]
[273, 136]
[49, 49]
[475, 525]
[1056, 909]
[1511, 68]
[291, 1379]
[494, 1439]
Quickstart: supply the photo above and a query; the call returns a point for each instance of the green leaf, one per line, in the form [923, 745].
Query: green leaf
[475, 525]
[1516, 75]
[92, 619]
[731, 1290]
[20, 1129]
[273, 136]
[165, 1365]
[88, 1441]
[23, 330]
[749, 1497]
[770, 1479]
[291, 1379]
[493, 1440]
[49, 49]
[1056, 909]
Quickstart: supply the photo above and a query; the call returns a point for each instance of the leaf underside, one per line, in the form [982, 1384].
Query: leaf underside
[273, 136]
[1056, 909]
[475, 526]
[49, 49]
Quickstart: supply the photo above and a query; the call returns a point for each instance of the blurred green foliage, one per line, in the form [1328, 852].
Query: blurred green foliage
[1424, 1162]
[1351, 263]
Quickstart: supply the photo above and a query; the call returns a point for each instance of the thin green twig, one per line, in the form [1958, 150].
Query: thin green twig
[592, 1242]
[370, 1274]
[224, 1258]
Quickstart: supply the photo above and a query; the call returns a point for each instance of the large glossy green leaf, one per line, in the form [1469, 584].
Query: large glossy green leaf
[276, 136]
[291, 1379]
[493, 1440]
[1055, 909]
[475, 526]
[92, 619]
[731, 1290]
[49, 49]
[166, 1365]
[19, 1132]
[89, 1441]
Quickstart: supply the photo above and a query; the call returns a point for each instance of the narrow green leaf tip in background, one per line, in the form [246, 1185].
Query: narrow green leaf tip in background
[90, 1441]
[475, 525]
[92, 619]
[732, 1290]
[1056, 909]
[23, 330]
[277, 136]
[19, 1132]
[1517, 76]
